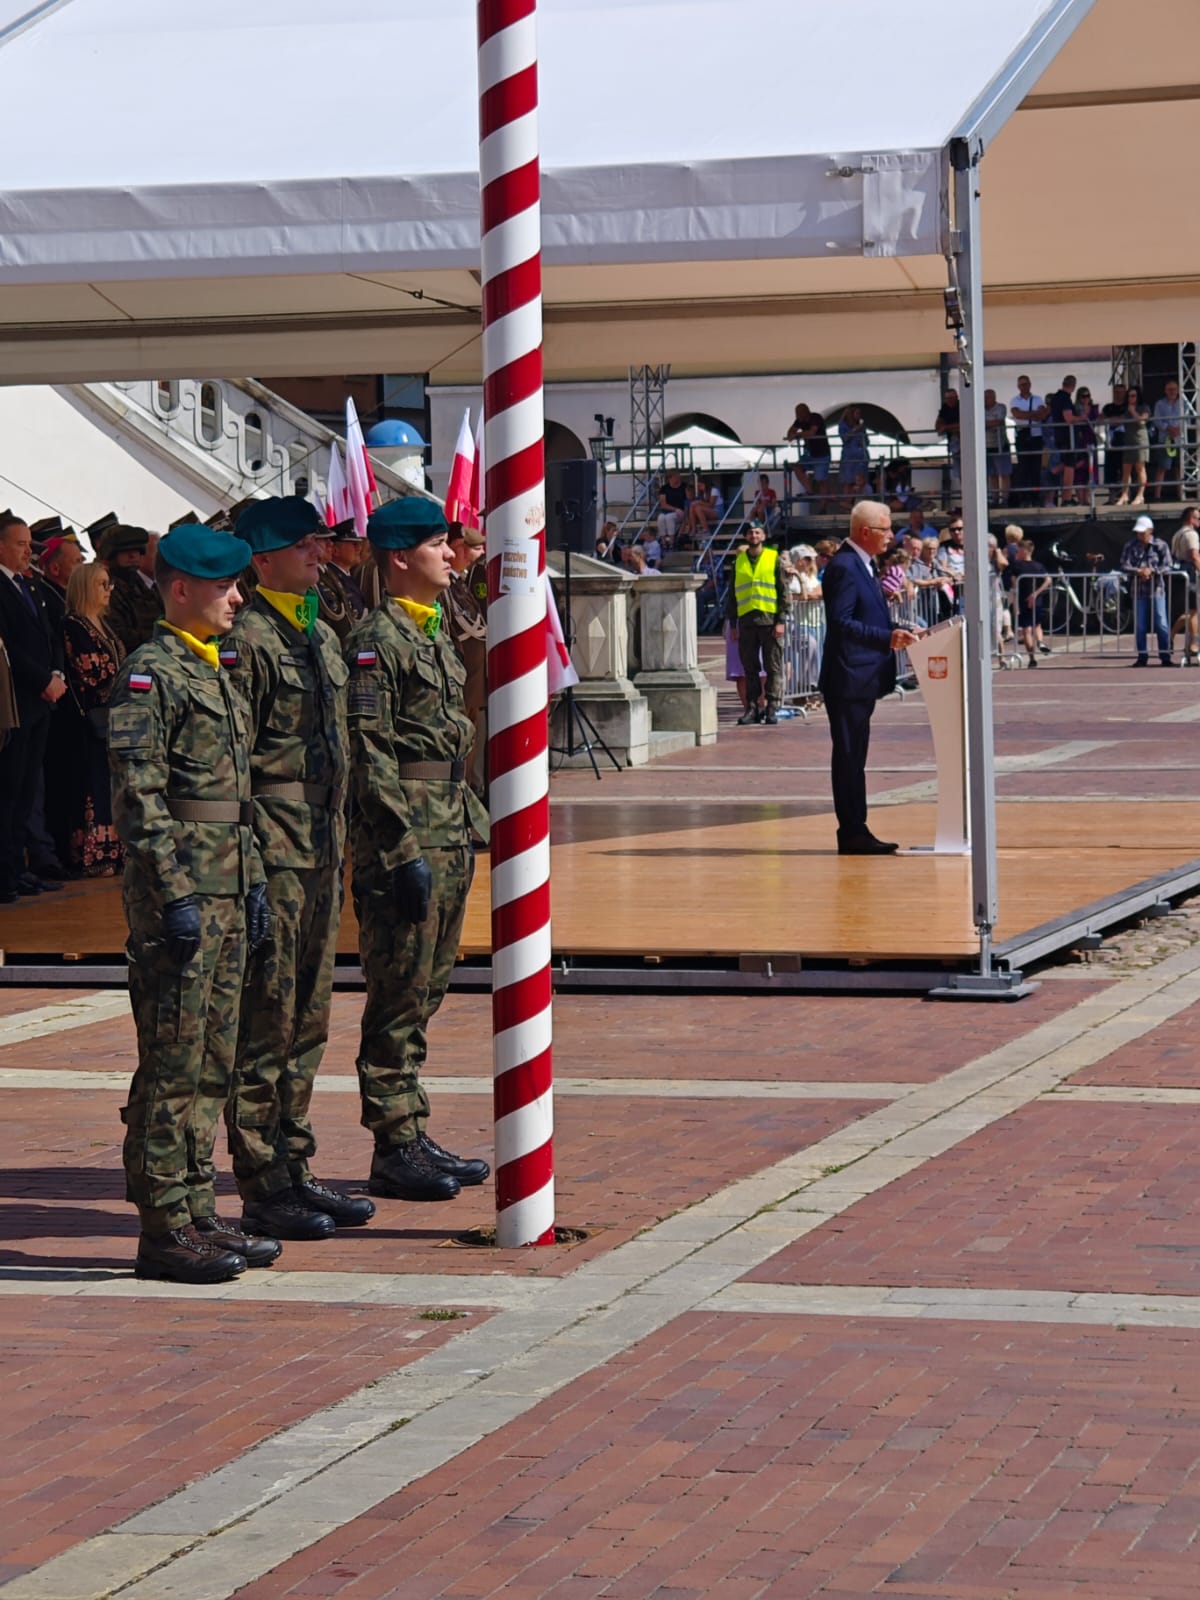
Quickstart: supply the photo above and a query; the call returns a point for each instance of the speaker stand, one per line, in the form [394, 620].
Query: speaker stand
[580, 731]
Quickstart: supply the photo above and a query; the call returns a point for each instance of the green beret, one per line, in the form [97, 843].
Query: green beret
[276, 523]
[201, 552]
[117, 537]
[405, 522]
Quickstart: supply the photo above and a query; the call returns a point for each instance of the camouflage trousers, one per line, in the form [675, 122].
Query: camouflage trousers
[407, 969]
[186, 1036]
[283, 1031]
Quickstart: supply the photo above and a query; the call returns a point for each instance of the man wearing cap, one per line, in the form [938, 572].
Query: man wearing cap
[195, 898]
[135, 605]
[1145, 559]
[59, 557]
[756, 607]
[287, 666]
[410, 737]
[466, 616]
[342, 600]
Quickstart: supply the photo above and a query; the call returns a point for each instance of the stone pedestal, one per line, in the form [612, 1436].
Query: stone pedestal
[680, 696]
[600, 617]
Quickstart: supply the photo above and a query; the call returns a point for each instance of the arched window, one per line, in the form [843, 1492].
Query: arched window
[166, 395]
[210, 413]
[255, 440]
[561, 444]
[687, 420]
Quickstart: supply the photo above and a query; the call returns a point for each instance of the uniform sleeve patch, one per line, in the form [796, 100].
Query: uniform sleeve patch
[365, 658]
[141, 681]
[228, 657]
[363, 700]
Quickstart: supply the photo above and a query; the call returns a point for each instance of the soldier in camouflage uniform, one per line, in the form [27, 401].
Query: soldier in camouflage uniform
[195, 896]
[413, 860]
[135, 604]
[287, 667]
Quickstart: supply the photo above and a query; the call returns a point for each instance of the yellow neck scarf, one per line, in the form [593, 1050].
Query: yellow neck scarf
[298, 609]
[205, 649]
[427, 618]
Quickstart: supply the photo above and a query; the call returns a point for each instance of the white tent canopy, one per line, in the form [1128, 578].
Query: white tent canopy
[292, 186]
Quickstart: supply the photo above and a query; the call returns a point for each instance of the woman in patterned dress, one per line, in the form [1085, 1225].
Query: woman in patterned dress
[93, 655]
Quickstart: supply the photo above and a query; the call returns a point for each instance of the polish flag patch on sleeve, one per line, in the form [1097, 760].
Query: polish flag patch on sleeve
[365, 658]
[228, 657]
[141, 681]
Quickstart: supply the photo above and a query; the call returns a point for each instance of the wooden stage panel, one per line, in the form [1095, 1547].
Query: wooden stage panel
[770, 884]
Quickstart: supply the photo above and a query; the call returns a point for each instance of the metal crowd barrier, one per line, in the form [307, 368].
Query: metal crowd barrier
[1094, 613]
[803, 644]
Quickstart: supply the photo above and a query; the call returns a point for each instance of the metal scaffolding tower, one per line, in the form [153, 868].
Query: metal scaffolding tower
[1126, 366]
[1190, 442]
[647, 419]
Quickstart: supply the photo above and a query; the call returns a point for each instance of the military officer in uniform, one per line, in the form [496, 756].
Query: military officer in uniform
[410, 737]
[135, 604]
[466, 614]
[195, 898]
[288, 668]
[342, 600]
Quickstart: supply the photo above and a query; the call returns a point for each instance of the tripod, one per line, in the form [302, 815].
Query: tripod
[578, 728]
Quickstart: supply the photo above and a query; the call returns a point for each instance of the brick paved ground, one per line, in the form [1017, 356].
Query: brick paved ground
[769, 1459]
[1090, 1197]
[1172, 1062]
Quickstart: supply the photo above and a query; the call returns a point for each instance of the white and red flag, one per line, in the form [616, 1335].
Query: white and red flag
[462, 491]
[338, 507]
[560, 669]
[359, 474]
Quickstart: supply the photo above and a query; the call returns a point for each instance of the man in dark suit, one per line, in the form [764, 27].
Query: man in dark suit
[857, 667]
[38, 682]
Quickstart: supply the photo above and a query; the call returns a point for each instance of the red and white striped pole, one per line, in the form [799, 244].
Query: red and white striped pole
[515, 497]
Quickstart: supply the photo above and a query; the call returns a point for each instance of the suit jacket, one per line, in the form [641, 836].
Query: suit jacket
[857, 662]
[33, 651]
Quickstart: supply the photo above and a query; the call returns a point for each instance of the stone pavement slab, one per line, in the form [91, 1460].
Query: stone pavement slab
[1059, 1195]
[1172, 1061]
[774, 1457]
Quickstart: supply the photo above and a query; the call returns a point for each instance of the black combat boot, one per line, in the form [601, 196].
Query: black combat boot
[286, 1216]
[257, 1251]
[466, 1170]
[407, 1172]
[185, 1256]
[348, 1211]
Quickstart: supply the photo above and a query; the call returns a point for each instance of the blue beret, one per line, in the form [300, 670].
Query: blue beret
[278, 522]
[405, 522]
[202, 552]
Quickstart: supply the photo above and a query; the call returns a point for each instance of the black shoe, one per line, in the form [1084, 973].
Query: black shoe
[255, 1250]
[183, 1256]
[28, 884]
[51, 873]
[751, 715]
[771, 719]
[1032, 662]
[1044, 649]
[346, 1211]
[1165, 661]
[865, 844]
[8, 897]
[1142, 661]
[467, 1170]
[407, 1172]
[286, 1216]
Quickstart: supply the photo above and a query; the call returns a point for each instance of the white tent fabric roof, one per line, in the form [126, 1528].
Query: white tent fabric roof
[206, 187]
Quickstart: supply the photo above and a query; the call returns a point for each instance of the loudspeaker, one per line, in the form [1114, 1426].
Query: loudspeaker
[573, 506]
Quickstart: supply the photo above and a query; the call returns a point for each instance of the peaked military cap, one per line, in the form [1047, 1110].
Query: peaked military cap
[117, 537]
[344, 530]
[405, 522]
[201, 552]
[276, 523]
[187, 520]
[93, 530]
[46, 527]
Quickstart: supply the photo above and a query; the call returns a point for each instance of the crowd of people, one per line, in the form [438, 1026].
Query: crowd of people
[230, 702]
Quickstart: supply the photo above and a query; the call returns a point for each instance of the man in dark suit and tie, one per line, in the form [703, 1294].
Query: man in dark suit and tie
[857, 667]
[38, 682]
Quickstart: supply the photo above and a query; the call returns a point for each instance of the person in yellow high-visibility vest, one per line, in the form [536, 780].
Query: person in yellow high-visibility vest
[757, 606]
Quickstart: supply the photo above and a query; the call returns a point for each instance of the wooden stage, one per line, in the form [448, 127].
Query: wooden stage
[653, 880]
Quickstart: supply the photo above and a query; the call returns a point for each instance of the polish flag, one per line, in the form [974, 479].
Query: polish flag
[462, 492]
[358, 471]
[560, 669]
[477, 475]
[338, 507]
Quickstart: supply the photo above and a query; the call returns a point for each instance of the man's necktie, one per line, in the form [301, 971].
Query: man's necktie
[27, 593]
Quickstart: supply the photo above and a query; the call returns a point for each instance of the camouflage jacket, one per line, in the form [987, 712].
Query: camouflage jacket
[406, 705]
[133, 608]
[177, 732]
[294, 687]
[467, 621]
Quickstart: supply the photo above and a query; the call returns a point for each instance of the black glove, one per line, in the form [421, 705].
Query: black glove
[412, 885]
[181, 929]
[258, 917]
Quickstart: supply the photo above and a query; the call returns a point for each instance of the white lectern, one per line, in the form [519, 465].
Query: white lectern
[939, 660]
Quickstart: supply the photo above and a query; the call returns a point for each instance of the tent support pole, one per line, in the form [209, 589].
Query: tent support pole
[987, 981]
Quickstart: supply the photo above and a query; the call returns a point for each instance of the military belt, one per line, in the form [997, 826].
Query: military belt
[433, 771]
[312, 794]
[238, 811]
